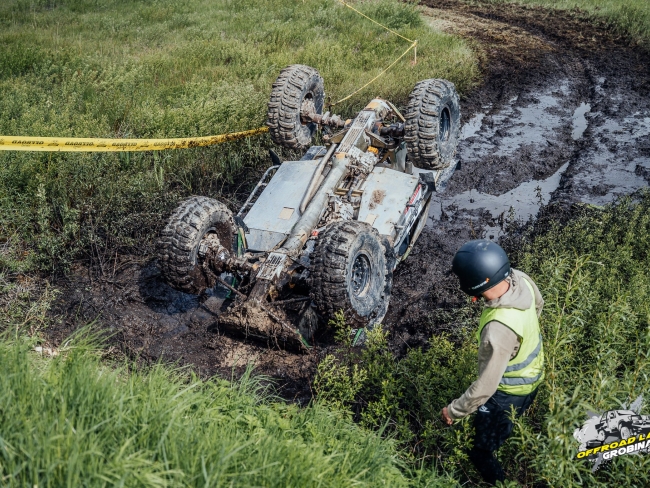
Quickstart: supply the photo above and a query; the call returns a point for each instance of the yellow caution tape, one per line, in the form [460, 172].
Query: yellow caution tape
[79, 144]
[414, 46]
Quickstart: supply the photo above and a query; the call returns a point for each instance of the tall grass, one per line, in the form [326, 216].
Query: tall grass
[596, 286]
[161, 68]
[73, 420]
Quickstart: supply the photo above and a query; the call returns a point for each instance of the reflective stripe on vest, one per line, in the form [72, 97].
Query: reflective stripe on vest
[528, 360]
[520, 377]
[519, 381]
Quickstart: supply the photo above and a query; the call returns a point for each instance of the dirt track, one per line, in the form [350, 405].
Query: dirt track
[564, 107]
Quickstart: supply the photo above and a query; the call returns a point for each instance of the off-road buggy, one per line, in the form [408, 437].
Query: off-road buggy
[324, 233]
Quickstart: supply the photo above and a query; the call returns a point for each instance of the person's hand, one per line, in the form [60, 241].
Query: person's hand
[445, 416]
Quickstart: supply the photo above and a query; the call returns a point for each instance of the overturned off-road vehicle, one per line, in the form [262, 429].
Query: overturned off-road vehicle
[324, 233]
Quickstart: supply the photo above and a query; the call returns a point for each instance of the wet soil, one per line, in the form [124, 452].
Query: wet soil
[562, 117]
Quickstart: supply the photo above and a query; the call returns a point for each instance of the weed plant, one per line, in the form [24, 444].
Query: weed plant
[594, 277]
[160, 68]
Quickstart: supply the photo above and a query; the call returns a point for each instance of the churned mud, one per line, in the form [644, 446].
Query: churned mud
[563, 116]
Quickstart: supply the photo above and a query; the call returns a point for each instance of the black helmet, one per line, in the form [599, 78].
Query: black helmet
[480, 265]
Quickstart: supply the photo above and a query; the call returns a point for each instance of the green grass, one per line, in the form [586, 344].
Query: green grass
[161, 68]
[628, 17]
[73, 420]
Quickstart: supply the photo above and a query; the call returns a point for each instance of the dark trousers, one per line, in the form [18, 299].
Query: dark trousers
[493, 426]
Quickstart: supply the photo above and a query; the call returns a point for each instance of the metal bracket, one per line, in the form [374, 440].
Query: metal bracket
[272, 267]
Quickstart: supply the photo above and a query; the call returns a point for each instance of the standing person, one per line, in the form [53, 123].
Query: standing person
[510, 355]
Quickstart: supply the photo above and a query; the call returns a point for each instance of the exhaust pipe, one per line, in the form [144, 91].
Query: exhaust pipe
[309, 219]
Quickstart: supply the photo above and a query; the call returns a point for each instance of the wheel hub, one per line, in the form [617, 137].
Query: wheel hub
[360, 275]
[445, 124]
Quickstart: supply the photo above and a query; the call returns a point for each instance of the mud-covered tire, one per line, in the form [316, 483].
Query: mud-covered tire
[342, 250]
[179, 241]
[432, 127]
[295, 84]
[601, 435]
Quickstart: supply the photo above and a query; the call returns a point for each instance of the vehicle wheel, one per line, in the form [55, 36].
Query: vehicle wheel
[298, 87]
[601, 435]
[432, 126]
[353, 271]
[195, 219]
[625, 432]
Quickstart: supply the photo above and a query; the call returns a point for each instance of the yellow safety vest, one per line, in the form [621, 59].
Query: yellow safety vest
[526, 370]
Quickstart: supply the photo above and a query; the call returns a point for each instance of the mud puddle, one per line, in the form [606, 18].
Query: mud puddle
[609, 154]
[563, 116]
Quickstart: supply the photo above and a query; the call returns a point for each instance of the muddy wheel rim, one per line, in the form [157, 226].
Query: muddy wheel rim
[445, 125]
[360, 279]
[308, 106]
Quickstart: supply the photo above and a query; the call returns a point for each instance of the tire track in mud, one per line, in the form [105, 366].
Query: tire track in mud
[562, 115]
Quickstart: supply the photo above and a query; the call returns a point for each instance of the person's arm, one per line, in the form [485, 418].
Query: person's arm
[498, 342]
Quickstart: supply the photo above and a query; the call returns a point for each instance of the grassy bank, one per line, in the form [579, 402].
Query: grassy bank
[72, 420]
[627, 17]
[145, 68]
[594, 277]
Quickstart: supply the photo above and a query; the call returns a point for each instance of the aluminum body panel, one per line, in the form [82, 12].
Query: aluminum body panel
[276, 210]
[385, 195]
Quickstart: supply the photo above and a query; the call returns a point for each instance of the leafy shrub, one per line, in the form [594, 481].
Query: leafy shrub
[402, 397]
[595, 280]
[593, 274]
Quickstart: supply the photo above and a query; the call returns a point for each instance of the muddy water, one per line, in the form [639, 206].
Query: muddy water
[608, 161]
[609, 154]
[522, 128]
[579, 121]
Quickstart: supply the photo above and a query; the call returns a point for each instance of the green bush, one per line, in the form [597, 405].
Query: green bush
[402, 397]
[596, 284]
